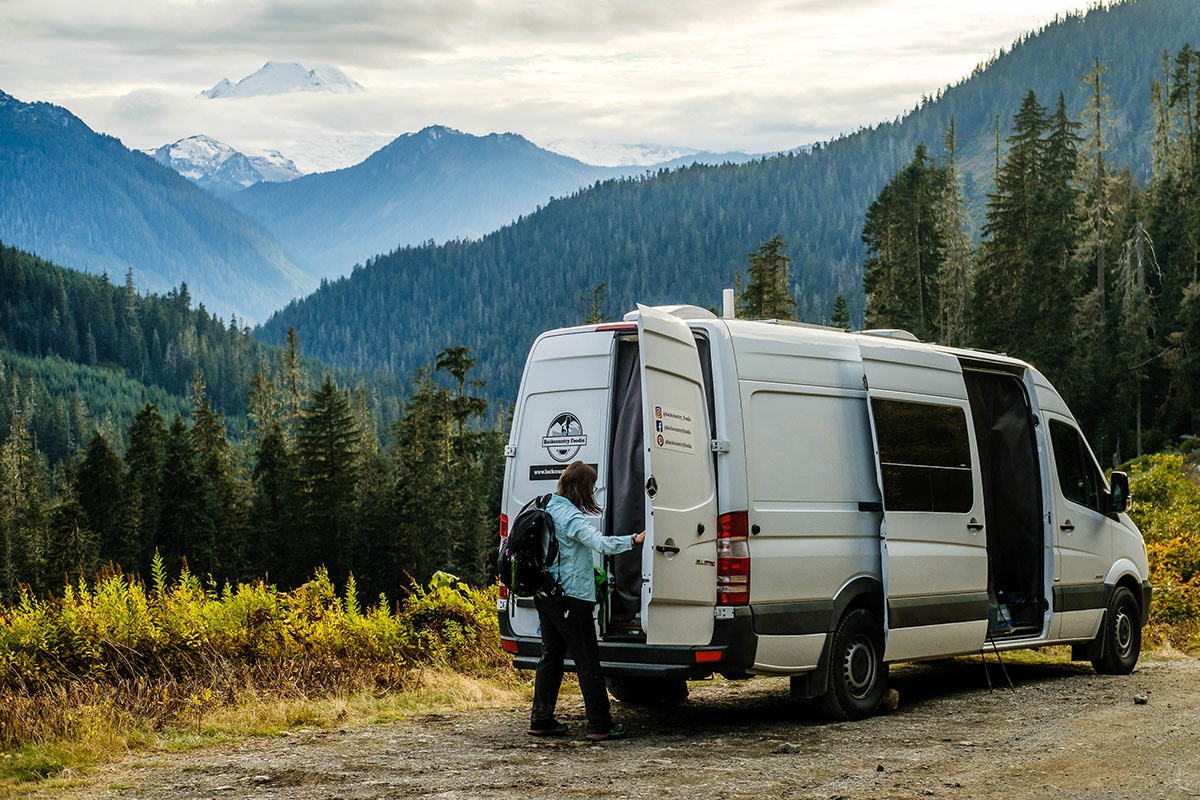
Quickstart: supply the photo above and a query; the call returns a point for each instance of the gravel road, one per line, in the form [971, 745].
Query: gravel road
[1064, 733]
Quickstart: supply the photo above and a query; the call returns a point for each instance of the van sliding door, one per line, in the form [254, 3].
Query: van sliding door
[933, 540]
[679, 560]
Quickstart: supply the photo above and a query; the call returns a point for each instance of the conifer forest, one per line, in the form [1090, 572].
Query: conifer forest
[1078, 267]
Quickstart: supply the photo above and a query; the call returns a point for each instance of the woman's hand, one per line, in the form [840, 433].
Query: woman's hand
[638, 538]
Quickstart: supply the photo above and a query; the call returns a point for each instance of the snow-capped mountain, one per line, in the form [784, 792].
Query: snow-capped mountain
[282, 77]
[219, 168]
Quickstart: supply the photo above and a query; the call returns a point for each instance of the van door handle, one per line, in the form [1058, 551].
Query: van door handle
[1067, 527]
[974, 526]
[666, 548]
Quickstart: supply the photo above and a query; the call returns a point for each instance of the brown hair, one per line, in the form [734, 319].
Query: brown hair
[576, 484]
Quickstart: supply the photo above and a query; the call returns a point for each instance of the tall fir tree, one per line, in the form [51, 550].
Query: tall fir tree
[904, 243]
[768, 294]
[327, 469]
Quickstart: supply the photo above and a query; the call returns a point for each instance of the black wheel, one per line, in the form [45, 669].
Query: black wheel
[857, 674]
[648, 691]
[1119, 642]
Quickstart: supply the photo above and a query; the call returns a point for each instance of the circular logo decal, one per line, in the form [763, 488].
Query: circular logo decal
[564, 437]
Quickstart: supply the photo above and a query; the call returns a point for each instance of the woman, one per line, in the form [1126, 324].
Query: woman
[566, 621]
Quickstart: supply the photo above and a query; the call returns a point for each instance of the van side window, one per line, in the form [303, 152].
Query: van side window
[1077, 476]
[924, 455]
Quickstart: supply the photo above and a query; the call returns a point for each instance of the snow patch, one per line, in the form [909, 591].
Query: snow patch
[608, 154]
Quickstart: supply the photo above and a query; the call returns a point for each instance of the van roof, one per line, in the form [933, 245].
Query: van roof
[803, 331]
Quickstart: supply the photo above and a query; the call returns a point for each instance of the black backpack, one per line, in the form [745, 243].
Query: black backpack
[521, 562]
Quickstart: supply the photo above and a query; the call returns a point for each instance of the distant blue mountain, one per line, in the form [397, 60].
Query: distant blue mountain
[84, 200]
[437, 184]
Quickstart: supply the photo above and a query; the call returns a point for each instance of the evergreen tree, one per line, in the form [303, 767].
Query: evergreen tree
[144, 464]
[327, 469]
[954, 274]
[185, 528]
[22, 513]
[1005, 311]
[841, 314]
[220, 489]
[273, 511]
[593, 304]
[102, 495]
[768, 295]
[73, 551]
[904, 243]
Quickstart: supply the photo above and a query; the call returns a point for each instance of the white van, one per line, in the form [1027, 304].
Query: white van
[820, 503]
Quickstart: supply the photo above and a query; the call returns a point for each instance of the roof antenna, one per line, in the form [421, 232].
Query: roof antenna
[727, 309]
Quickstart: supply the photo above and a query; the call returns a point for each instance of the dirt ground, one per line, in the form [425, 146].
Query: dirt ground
[1064, 733]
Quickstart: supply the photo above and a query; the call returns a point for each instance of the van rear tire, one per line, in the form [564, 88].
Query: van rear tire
[857, 674]
[1119, 642]
[648, 691]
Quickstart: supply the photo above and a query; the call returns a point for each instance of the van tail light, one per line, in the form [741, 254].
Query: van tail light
[503, 536]
[733, 559]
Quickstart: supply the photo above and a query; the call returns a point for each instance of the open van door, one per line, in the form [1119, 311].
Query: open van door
[679, 559]
[934, 546]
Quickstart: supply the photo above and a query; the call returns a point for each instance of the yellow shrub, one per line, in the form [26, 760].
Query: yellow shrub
[1165, 504]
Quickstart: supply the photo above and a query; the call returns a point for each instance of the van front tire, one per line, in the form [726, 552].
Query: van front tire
[857, 674]
[1120, 640]
[648, 691]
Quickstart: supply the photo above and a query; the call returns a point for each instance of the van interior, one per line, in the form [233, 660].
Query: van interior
[1008, 460]
[1011, 479]
[626, 497]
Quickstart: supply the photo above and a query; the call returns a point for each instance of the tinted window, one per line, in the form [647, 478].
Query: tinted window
[1078, 478]
[924, 455]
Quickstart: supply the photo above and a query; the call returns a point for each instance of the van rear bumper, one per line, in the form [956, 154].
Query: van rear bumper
[731, 650]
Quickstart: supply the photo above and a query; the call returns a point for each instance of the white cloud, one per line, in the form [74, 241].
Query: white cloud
[758, 75]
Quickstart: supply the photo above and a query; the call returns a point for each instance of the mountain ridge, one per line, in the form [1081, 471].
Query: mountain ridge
[82, 199]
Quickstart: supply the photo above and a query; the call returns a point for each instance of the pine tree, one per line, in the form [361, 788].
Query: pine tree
[220, 488]
[593, 303]
[327, 469]
[1004, 312]
[144, 463]
[23, 546]
[904, 243]
[185, 527]
[294, 384]
[841, 314]
[768, 294]
[102, 495]
[1098, 116]
[73, 551]
[954, 274]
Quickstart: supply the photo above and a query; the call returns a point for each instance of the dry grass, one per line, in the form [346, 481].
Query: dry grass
[43, 770]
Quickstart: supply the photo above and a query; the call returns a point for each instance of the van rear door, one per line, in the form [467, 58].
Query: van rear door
[679, 561]
[933, 540]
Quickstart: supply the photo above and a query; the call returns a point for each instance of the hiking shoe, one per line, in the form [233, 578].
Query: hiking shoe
[553, 729]
[615, 732]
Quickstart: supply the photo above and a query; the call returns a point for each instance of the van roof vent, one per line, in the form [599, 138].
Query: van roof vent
[891, 333]
[681, 311]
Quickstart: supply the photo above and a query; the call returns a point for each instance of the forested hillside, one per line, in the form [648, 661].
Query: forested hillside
[681, 236]
[132, 348]
[83, 200]
[132, 423]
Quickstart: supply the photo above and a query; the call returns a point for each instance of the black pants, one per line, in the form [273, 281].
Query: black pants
[567, 627]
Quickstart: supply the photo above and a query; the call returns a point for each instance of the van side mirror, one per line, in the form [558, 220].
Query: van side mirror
[1118, 496]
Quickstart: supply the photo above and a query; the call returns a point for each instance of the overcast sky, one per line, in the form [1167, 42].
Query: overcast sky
[751, 75]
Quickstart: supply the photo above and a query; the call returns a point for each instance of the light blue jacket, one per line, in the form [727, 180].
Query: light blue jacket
[577, 538]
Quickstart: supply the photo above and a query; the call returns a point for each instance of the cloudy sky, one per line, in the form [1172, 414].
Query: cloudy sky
[752, 75]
